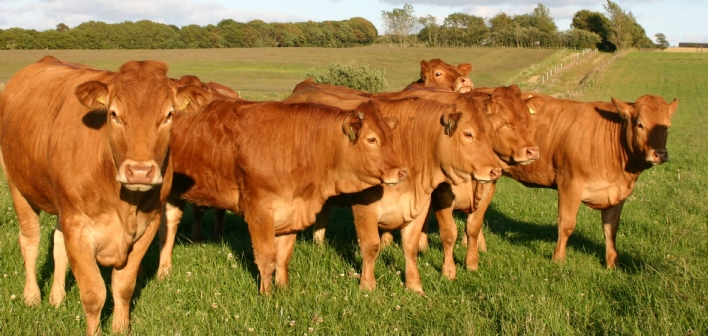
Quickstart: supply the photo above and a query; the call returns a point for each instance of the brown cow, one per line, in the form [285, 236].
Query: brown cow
[450, 144]
[593, 153]
[91, 147]
[217, 91]
[512, 143]
[275, 164]
[436, 73]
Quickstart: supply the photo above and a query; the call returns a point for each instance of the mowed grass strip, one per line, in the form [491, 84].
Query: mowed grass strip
[660, 288]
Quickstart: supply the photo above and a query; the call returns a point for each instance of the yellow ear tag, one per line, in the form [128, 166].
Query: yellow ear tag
[185, 103]
[530, 96]
[101, 100]
[532, 111]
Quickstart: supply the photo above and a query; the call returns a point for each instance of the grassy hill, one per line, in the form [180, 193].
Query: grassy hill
[661, 286]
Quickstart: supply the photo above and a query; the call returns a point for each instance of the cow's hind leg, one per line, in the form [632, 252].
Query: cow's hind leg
[197, 216]
[320, 225]
[262, 230]
[285, 245]
[410, 237]
[474, 225]
[610, 224]
[173, 211]
[568, 205]
[448, 236]
[28, 216]
[219, 217]
[61, 264]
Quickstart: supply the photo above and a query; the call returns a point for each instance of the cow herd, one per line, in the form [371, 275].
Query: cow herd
[116, 156]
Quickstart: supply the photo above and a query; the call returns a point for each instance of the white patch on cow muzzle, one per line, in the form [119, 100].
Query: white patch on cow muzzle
[139, 175]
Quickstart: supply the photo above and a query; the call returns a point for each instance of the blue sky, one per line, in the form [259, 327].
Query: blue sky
[679, 20]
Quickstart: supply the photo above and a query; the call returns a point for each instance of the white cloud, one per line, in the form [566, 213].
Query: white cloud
[47, 14]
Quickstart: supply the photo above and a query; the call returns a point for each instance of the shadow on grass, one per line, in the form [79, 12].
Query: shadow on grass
[526, 234]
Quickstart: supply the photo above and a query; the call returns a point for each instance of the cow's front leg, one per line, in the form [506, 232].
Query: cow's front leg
[568, 204]
[174, 209]
[285, 245]
[366, 224]
[410, 237]
[82, 258]
[123, 280]
[610, 224]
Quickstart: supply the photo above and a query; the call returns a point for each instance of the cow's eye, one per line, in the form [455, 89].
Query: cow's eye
[371, 140]
[115, 118]
[438, 74]
[168, 118]
[640, 126]
[468, 135]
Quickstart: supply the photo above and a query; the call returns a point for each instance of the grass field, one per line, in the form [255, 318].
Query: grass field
[661, 286]
[272, 73]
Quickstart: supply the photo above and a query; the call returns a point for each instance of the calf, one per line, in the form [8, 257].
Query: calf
[91, 147]
[275, 164]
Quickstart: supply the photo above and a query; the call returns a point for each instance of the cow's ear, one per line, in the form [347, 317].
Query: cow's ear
[534, 104]
[465, 68]
[190, 98]
[673, 107]
[424, 70]
[625, 110]
[352, 125]
[449, 120]
[391, 121]
[93, 95]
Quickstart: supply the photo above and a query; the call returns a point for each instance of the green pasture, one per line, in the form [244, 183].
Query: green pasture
[272, 73]
[660, 288]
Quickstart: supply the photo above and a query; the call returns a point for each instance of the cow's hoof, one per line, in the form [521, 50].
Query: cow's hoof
[56, 297]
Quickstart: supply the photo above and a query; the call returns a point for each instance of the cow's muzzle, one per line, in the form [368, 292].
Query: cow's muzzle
[139, 175]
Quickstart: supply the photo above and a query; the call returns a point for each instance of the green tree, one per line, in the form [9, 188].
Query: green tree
[231, 31]
[62, 27]
[620, 25]
[431, 30]
[661, 41]
[597, 23]
[364, 31]
[464, 29]
[399, 22]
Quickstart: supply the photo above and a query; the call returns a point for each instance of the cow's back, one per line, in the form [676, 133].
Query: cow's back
[575, 138]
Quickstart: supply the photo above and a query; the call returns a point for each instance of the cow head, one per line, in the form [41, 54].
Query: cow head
[510, 117]
[438, 74]
[139, 102]
[369, 152]
[646, 127]
[464, 145]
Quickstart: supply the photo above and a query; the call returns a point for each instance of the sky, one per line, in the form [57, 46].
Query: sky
[679, 20]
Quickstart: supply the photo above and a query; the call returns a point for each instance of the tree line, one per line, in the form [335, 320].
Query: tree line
[227, 33]
[615, 29]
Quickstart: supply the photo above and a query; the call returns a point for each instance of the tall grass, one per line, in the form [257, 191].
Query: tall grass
[661, 286]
